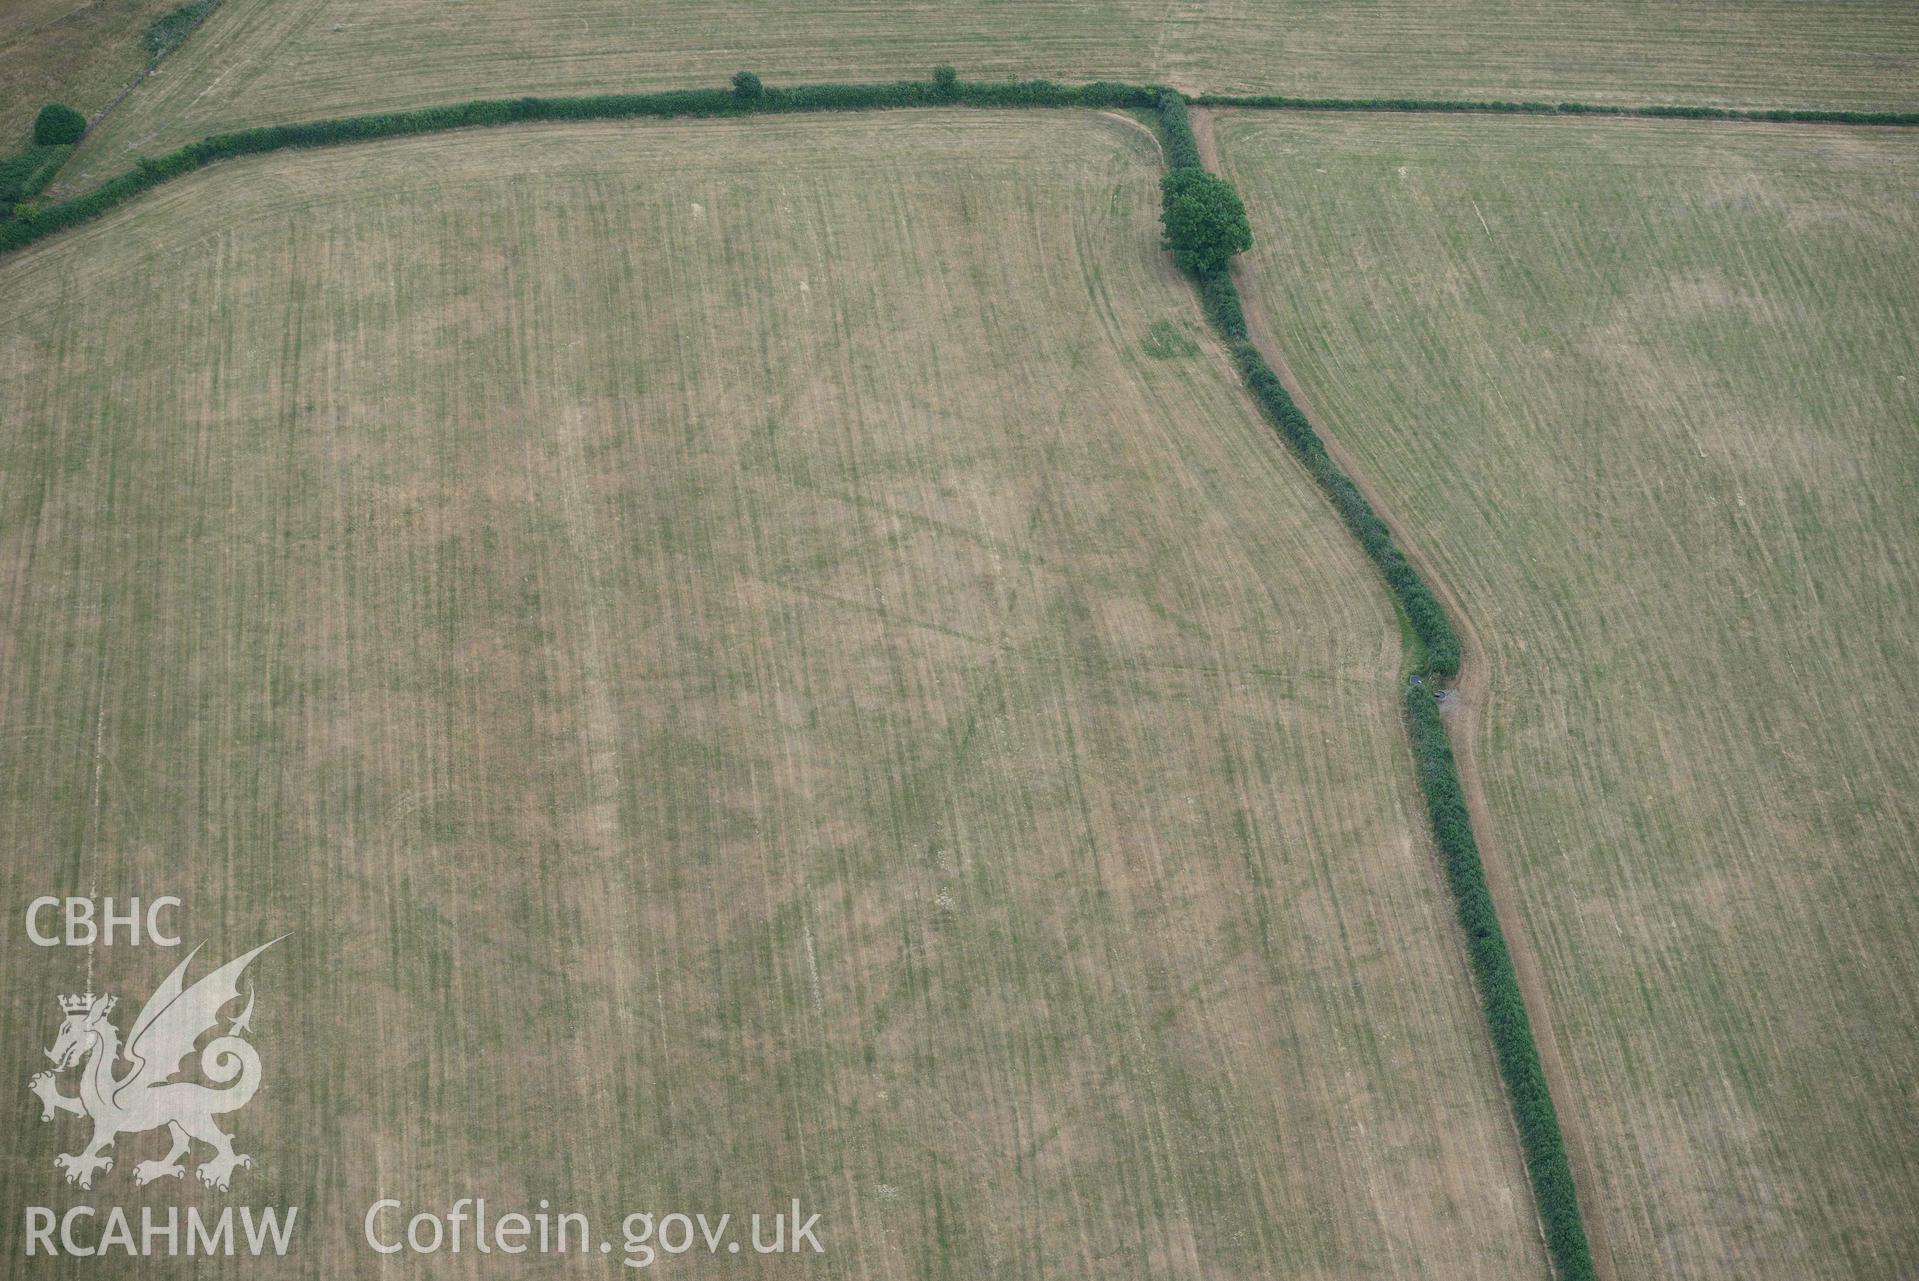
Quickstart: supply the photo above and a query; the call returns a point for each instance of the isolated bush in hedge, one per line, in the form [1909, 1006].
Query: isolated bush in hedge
[1204, 220]
[58, 125]
[747, 86]
[945, 79]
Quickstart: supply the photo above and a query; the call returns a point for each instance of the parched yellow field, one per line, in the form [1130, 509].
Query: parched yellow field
[269, 61]
[757, 661]
[1646, 393]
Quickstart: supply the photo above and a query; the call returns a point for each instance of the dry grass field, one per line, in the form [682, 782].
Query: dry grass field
[81, 52]
[1645, 394]
[757, 660]
[259, 62]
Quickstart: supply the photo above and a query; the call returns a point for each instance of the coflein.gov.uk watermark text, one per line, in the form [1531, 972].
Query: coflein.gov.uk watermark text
[467, 1226]
[645, 1236]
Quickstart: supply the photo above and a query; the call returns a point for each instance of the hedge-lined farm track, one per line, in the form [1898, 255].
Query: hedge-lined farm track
[759, 658]
[271, 61]
[1645, 392]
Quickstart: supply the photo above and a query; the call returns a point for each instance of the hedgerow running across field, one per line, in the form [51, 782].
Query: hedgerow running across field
[170, 32]
[151, 172]
[1459, 106]
[942, 91]
[27, 173]
[1505, 1009]
[1518, 1053]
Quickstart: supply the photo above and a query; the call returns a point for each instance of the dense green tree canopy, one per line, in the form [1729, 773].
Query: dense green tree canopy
[57, 125]
[1204, 220]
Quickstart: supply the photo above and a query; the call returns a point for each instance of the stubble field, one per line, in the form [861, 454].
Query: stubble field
[1644, 393]
[756, 660]
[257, 62]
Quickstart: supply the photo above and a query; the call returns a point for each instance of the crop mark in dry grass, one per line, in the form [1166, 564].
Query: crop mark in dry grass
[802, 890]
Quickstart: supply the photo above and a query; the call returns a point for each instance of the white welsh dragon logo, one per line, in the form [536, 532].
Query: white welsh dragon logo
[146, 1097]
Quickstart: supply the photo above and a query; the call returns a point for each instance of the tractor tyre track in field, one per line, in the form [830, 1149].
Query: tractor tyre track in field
[1472, 690]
